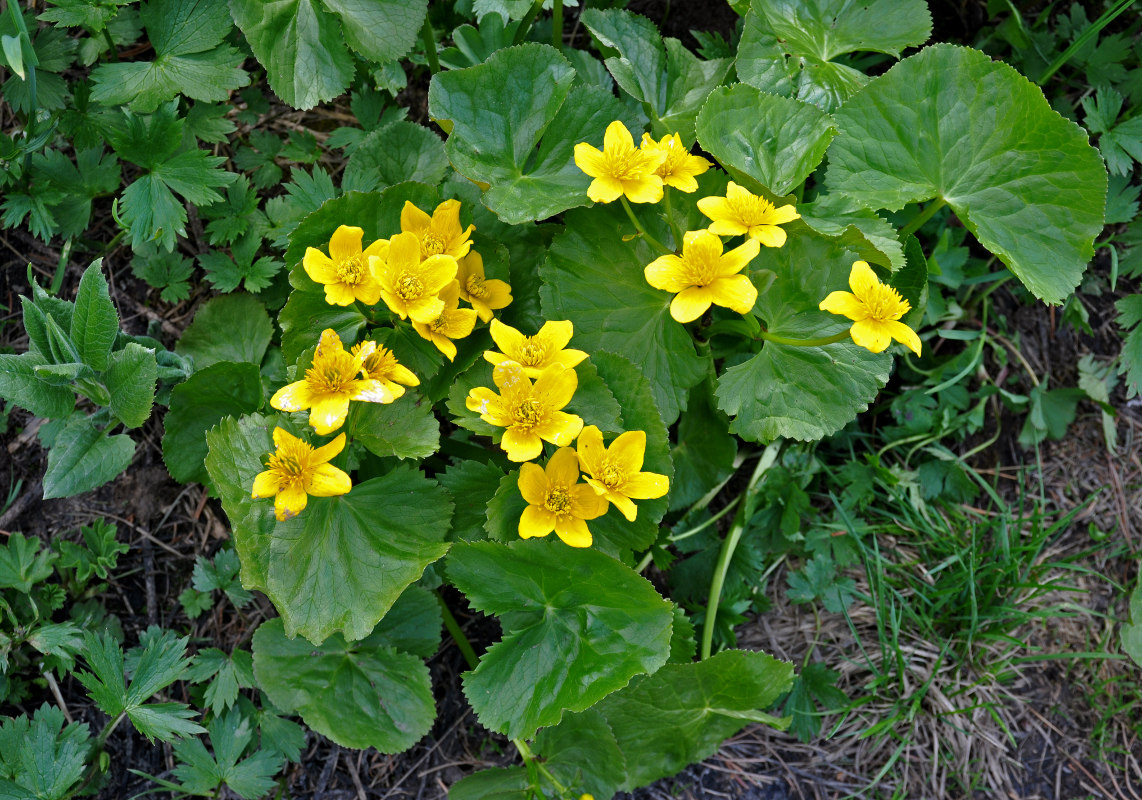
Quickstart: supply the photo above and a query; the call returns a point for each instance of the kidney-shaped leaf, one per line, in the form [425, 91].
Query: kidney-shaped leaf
[951, 123]
[577, 626]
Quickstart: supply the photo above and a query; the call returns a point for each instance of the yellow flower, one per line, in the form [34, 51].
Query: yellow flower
[296, 471]
[530, 413]
[453, 323]
[621, 168]
[534, 353]
[616, 472]
[345, 271]
[702, 275]
[740, 212]
[439, 234]
[680, 167]
[330, 383]
[381, 365]
[410, 286]
[557, 501]
[485, 295]
[875, 310]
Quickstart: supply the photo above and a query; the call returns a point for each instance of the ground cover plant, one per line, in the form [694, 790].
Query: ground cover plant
[539, 345]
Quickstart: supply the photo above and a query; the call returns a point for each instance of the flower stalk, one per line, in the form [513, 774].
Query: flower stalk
[657, 245]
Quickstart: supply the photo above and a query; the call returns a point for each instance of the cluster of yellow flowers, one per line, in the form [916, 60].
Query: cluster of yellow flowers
[421, 273]
[532, 413]
[702, 275]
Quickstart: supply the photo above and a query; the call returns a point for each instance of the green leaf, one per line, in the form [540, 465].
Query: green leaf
[229, 672]
[497, 783]
[705, 451]
[23, 564]
[301, 47]
[94, 323]
[802, 393]
[593, 400]
[666, 721]
[223, 389]
[982, 137]
[306, 314]
[20, 385]
[776, 141]
[226, 275]
[84, 457]
[48, 758]
[389, 689]
[380, 30]
[595, 279]
[788, 47]
[472, 485]
[230, 735]
[912, 282]
[501, 111]
[400, 151]
[131, 379]
[168, 272]
[339, 565]
[406, 428]
[669, 80]
[838, 216]
[233, 328]
[237, 452]
[577, 626]
[190, 58]
[1132, 633]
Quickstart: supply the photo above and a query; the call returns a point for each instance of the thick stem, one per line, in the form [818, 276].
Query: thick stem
[674, 230]
[923, 217]
[525, 23]
[457, 633]
[531, 760]
[111, 48]
[428, 37]
[773, 337]
[557, 24]
[642, 231]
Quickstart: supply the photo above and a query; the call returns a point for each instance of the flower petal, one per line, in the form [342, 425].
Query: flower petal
[404, 251]
[737, 259]
[338, 294]
[590, 159]
[623, 503]
[768, 235]
[319, 266]
[327, 451]
[586, 503]
[535, 521]
[605, 190]
[508, 339]
[844, 303]
[783, 214]
[533, 484]
[903, 334]
[573, 531]
[292, 397]
[328, 412]
[328, 481]
[345, 243]
[628, 450]
[715, 207]
[266, 484]
[736, 293]
[668, 273]
[871, 335]
[690, 304]
[561, 428]
[646, 486]
[862, 280]
[727, 227]
[647, 189]
[563, 467]
[521, 445]
[414, 221]
[617, 138]
[437, 272]
[591, 449]
[367, 291]
[555, 335]
[290, 502]
[556, 385]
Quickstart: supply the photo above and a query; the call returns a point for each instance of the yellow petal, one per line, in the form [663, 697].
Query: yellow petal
[521, 445]
[727, 227]
[591, 449]
[327, 451]
[690, 304]
[290, 502]
[862, 280]
[266, 484]
[736, 293]
[425, 309]
[292, 397]
[617, 138]
[404, 251]
[682, 182]
[480, 400]
[368, 292]
[871, 335]
[510, 377]
[379, 248]
[605, 190]
[338, 294]
[623, 503]
[628, 450]
[402, 374]
[328, 481]
[414, 221]
[768, 235]
[536, 521]
[647, 189]
[328, 412]
[345, 243]
[590, 159]
[779, 216]
[569, 358]
[668, 273]
[556, 335]
[845, 304]
[508, 339]
[437, 272]
[370, 390]
[715, 207]
[737, 259]
[318, 266]
[563, 468]
[561, 428]
[586, 503]
[533, 484]
[556, 385]
[573, 531]
[284, 439]
[646, 486]
[903, 334]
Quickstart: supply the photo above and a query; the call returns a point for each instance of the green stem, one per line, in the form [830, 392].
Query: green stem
[1087, 34]
[745, 507]
[525, 23]
[923, 217]
[111, 48]
[428, 37]
[532, 760]
[61, 267]
[773, 337]
[557, 24]
[642, 231]
[457, 633]
[674, 230]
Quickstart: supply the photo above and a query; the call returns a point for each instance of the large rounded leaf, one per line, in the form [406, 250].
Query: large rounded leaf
[577, 626]
[951, 123]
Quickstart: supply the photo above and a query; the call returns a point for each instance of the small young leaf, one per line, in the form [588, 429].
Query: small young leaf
[84, 457]
[131, 378]
[94, 324]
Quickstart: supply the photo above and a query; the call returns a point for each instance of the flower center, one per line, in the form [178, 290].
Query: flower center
[528, 414]
[884, 303]
[409, 287]
[331, 374]
[626, 164]
[675, 157]
[288, 469]
[477, 286]
[751, 210]
[558, 500]
[439, 324]
[612, 475]
[378, 363]
[351, 271]
[532, 353]
[431, 245]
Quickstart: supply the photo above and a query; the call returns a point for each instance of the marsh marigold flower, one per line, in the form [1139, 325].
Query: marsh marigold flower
[345, 271]
[534, 353]
[530, 413]
[702, 276]
[740, 212]
[556, 501]
[297, 470]
[330, 383]
[486, 295]
[380, 364]
[621, 168]
[680, 167]
[616, 472]
[452, 323]
[439, 234]
[409, 286]
[875, 310]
